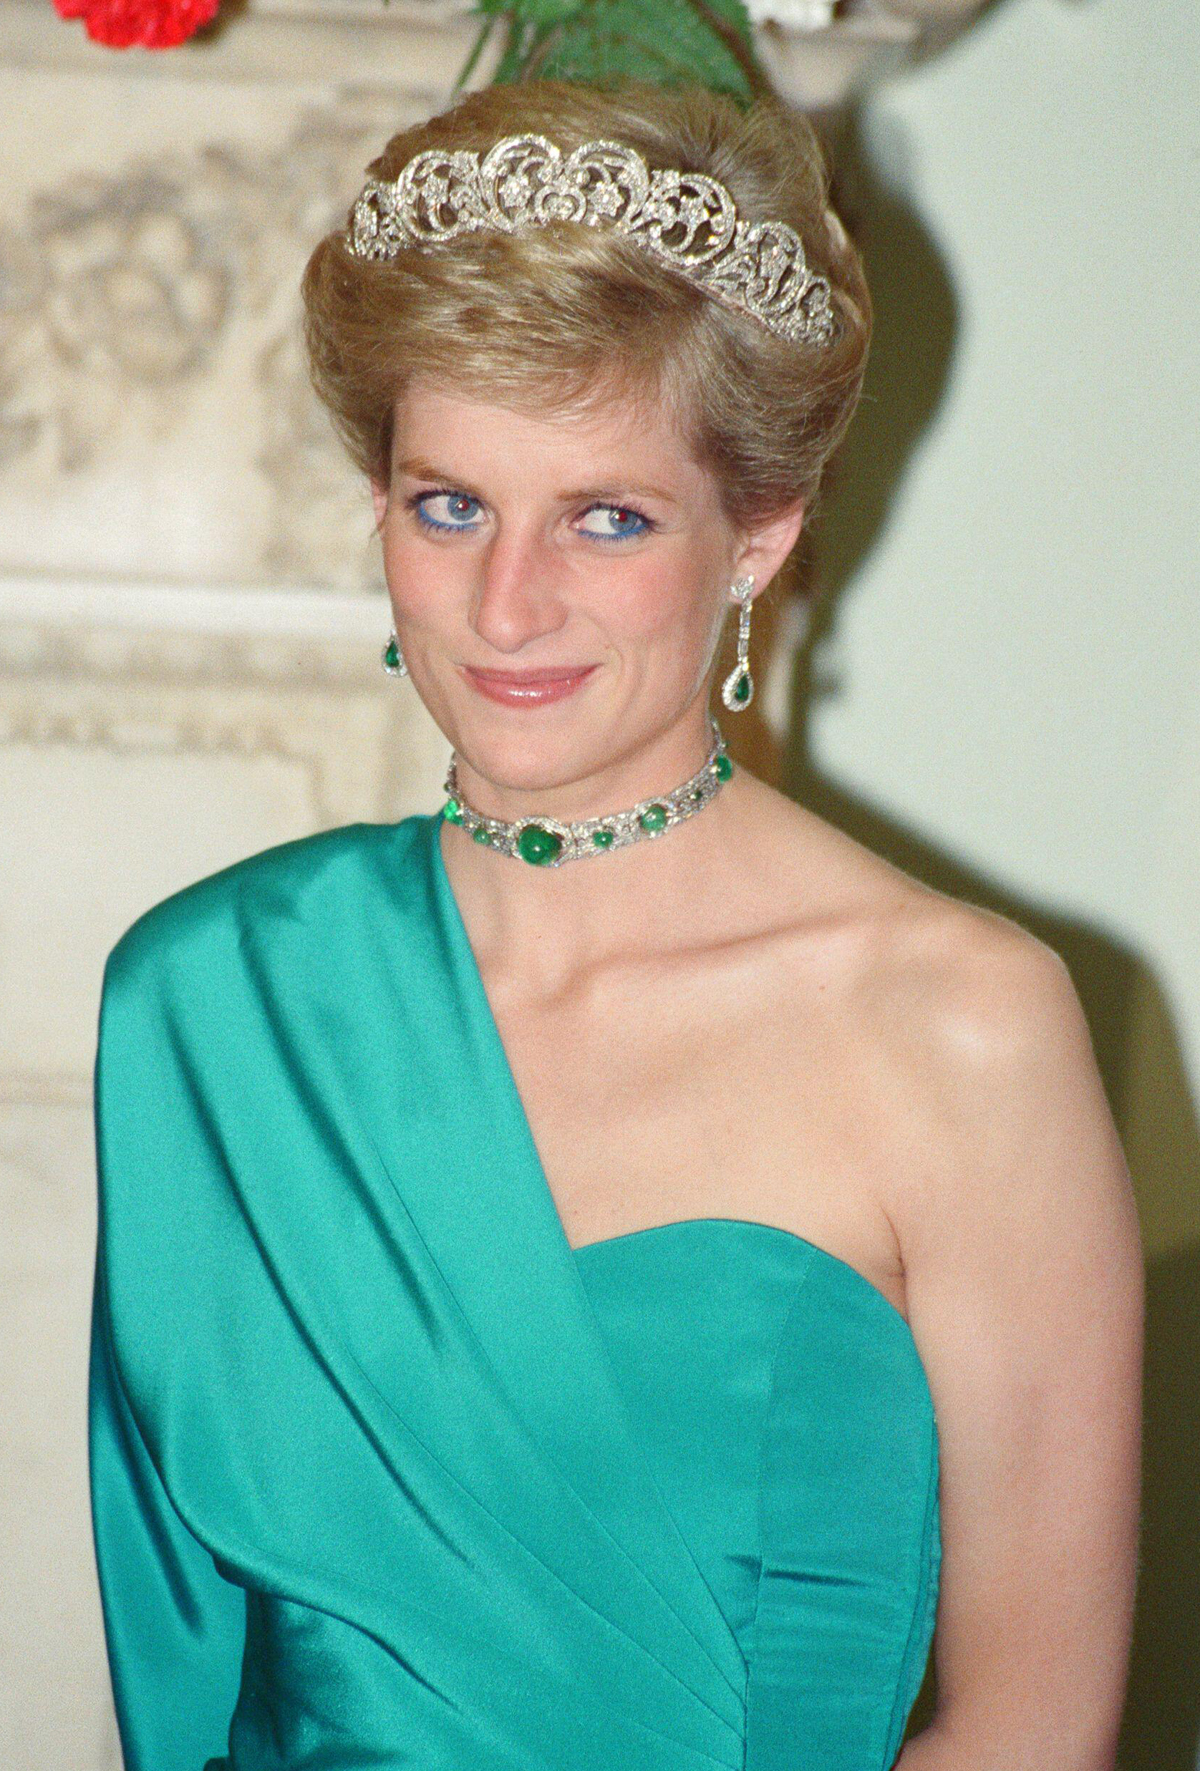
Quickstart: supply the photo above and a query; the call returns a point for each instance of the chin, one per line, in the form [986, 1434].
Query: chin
[532, 760]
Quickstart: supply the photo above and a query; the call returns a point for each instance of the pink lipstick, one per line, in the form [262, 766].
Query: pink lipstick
[527, 688]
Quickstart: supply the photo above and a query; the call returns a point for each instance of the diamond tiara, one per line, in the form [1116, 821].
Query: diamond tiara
[757, 268]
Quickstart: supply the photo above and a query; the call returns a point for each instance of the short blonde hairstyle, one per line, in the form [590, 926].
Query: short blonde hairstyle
[563, 317]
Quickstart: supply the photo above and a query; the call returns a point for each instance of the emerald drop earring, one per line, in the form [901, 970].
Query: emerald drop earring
[737, 690]
[393, 658]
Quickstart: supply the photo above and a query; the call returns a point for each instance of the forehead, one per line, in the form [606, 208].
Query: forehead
[614, 439]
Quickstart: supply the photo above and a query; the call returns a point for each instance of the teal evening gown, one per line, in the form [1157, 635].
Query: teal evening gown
[384, 1473]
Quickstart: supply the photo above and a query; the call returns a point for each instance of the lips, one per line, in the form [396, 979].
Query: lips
[529, 688]
[529, 679]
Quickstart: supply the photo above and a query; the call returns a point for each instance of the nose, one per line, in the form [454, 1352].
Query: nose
[518, 597]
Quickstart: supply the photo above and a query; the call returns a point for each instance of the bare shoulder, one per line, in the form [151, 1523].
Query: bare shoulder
[1024, 1288]
[978, 1054]
[985, 1020]
[962, 979]
[976, 1000]
[960, 990]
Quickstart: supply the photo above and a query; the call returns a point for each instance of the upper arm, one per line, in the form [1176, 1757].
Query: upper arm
[174, 1626]
[1025, 1287]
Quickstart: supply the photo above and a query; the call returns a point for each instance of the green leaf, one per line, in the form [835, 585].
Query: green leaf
[549, 12]
[515, 52]
[535, 12]
[665, 42]
[464, 73]
[734, 13]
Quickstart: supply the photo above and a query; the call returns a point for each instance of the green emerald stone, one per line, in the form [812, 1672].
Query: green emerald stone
[538, 845]
[391, 656]
[741, 689]
[723, 766]
[452, 811]
[603, 839]
[479, 834]
[653, 818]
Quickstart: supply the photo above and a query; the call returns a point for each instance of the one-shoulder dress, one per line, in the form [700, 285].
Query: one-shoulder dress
[384, 1473]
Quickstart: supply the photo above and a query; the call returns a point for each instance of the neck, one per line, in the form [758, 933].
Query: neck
[626, 780]
[553, 924]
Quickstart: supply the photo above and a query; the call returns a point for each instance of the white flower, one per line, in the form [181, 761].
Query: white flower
[794, 15]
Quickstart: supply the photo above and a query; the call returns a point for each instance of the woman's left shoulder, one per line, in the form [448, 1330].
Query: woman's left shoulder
[976, 1019]
[1009, 1106]
[958, 973]
[990, 988]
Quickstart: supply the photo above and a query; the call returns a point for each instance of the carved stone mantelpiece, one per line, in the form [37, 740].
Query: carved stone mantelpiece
[155, 414]
[148, 736]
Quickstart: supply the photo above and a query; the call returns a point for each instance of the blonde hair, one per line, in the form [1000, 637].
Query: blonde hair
[563, 317]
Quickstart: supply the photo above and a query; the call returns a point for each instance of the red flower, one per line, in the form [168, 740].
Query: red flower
[150, 24]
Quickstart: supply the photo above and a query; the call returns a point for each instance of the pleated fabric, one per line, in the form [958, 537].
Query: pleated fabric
[371, 1485]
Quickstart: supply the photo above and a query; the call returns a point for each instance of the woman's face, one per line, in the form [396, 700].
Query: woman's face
[517, 544]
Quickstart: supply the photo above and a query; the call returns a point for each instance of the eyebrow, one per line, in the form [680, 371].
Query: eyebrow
[427, 470]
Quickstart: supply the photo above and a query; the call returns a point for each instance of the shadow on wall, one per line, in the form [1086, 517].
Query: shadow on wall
[1137, 1047]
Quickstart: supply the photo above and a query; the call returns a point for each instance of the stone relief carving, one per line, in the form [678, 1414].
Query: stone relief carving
[323, 524]
[317, 701]
[140, 755]
[123, 294]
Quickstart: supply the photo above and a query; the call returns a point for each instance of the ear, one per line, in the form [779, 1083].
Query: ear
[765, 549]
[379, 498]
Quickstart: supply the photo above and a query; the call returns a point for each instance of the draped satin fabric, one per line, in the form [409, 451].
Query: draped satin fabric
[367, 1488]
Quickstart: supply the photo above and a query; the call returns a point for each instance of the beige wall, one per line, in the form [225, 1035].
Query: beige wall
[1003, 690]
[1016, 629]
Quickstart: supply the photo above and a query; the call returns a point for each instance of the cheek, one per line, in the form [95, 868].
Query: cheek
[653, 607]
[415, 588]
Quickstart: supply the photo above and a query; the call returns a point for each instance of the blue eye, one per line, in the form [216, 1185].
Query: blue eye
[622, 510]
[418, 501]
[418, 504]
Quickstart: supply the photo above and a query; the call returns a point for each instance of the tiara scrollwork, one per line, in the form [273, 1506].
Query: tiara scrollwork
[686, 220]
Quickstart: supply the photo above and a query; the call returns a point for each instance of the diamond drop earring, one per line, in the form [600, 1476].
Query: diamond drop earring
[737, 690]
[393, 658]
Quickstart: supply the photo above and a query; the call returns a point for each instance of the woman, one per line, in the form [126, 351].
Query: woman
[594, 1316]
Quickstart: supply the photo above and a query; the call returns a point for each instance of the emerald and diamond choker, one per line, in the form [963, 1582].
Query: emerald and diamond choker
[548, 842]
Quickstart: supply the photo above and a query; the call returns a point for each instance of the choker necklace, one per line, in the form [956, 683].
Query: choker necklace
[548, 842]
